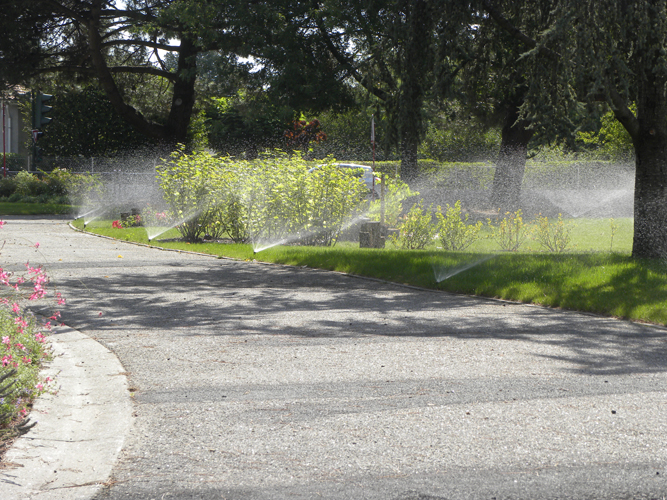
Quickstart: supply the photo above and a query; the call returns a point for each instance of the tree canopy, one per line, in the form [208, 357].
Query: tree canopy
[535, 68]
[611, 52]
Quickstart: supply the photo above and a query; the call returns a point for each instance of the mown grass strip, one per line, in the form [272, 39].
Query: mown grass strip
[601, 282]
[9, 208]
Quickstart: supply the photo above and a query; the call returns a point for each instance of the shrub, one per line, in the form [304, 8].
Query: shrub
[233, 219]
[509, 232]
[59, 181]
[83, 189]
[454, 231]
[553, 236]
[271, 198]
[396, 192]
[416, 230]
[7, 186]
[22, 347]
[187, 181]
[27, 184]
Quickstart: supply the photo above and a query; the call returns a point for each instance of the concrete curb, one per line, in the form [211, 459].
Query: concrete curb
[70, 453]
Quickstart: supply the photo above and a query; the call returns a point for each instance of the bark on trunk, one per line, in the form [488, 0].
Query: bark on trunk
[511, 163]
[175, 130]
[650, 229]
[183, 98]
[413, 80]
[409, 167]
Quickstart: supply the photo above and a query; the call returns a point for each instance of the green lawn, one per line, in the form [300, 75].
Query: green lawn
[589, 277]
[8, 208]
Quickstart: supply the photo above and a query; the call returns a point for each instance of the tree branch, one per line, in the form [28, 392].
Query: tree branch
[348, 66]
[613, 98]
[516, 32]
[66, 11]
[142, 43]
[137, 70]
[108, 84]
[623, 113]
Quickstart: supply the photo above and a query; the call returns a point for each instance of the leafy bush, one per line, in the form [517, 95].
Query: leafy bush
[454, 231]
[27, 184]
[510, 232]
[7, 186]
[396, 192]
[82, 188]
[271, 198]
[553, 236]
[59, 181]
[187, 182]
[22, 347]
[416, 230]
[58, 186]
[330, 196]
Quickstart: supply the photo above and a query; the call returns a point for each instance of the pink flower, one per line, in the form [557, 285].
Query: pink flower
[37, 245]
[16, 308]
[39, 337]
[22, 324]
[6, 360]
[26, 360]
[39, 387]
[20, 346]
[116, 224]
[39, 293]
[2, 223]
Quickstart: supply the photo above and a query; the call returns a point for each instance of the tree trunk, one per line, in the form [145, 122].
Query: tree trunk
[409, 167]
[413, 80]
[511, 163]
[650, 228]
[183, 98]
[175, 130]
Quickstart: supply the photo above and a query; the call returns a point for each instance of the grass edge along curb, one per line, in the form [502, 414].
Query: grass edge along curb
[590, 288]
[268, 263]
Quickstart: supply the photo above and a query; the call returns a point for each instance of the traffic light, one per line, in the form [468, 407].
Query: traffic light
[40, 109]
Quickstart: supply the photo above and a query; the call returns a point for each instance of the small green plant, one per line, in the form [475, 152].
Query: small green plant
[614, 227]
[553, 236]
[416, 230]
[454, 231]
[509, 232]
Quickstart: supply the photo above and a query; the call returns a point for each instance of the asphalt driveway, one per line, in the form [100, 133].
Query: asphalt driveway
[256, 381]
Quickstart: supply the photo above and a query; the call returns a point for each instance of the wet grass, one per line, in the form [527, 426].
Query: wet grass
[589, 278]
[7, 208]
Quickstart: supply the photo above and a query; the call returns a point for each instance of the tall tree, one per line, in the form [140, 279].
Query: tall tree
[105, 39]
[611, 51]
[403, 53]
[497, 82]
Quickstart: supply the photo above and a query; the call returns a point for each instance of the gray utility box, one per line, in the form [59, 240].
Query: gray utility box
[372, 235]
